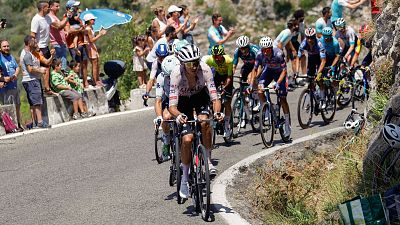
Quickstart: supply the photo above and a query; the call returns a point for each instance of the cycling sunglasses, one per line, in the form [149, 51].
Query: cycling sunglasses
[192, 64]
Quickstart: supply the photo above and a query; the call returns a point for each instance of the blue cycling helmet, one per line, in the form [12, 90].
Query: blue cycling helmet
[162, 50]
[327, 31]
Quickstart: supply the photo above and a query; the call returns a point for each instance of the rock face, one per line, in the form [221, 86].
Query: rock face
[386, 44]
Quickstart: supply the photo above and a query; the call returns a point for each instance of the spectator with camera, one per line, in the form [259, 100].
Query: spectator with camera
[10, 94]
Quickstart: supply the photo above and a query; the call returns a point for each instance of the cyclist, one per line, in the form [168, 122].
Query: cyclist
[161, 53]
[316, 52]
[324, 21]
[189, 85]
[347, 39]
[366, 42]
[222, 66]
[270, 65]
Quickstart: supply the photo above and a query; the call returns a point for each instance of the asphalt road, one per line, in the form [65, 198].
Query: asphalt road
[103, 172]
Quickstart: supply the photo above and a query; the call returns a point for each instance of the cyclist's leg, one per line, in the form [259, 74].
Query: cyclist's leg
[263, 81]
[284, 104]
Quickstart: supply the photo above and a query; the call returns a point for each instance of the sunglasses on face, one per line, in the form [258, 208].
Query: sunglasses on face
[267, 50]
[192, 64]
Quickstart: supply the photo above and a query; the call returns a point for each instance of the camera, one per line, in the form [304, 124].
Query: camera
[3, 23]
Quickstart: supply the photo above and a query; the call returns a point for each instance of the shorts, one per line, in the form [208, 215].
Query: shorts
[10, 96]
[71, 95]
[200, 102]
[164, 102]
[219, 79]
[296, 45]
[368, 59]
[313, 64]
[34, 92]
[245, 71]
[269, 75]
[77, 58]
[46, 53]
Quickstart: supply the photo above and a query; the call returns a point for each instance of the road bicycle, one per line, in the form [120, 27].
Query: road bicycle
[387, 172]
[199, 175]
[309, 102]
[242, 109]
[271, 120]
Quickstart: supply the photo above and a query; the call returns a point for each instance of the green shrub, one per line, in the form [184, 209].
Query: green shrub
[308, 4]
[283, 9]
[228, 13]
[199, 2]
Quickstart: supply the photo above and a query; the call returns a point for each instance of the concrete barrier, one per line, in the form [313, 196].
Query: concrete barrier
[136, 101]
[10, 109]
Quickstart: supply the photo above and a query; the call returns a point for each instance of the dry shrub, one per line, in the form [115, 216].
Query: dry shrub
[383, 74]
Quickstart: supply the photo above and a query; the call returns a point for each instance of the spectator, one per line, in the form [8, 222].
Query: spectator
[60, 85]
[337, 8]
[149, 42]
[324, 21]
[31, 59]
[93, 54]
[10, 93]
[217, 34]
[169, 36]
[173, 20]
[189, 26]
[57, 34]
[40, 30]
[139, 51]
[159, 23]
[299, 16]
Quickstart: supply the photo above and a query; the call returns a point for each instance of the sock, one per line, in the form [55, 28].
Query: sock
[226, 120]
[287, 120]
[185, 175]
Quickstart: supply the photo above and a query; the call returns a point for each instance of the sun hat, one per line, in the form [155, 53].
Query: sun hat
[88, 17]
[174, 8]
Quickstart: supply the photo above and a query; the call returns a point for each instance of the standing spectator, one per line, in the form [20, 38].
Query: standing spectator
[174, 13]
[337, 8]
[40, 30]
[93, 53]
[299, 16]
[159, 23]
[169, 36]
[324, 21]
[10, 93]
[31, 59]
[57, 34]
[149, 42]
[139, 51]
[217, 34]
[189, 26]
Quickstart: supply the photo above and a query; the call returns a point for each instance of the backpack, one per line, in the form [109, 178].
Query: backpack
[8, 124]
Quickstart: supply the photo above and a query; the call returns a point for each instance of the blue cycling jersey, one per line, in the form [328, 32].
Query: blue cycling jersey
[247, 59]
[318, 48]
[332, 48]
[276, 63]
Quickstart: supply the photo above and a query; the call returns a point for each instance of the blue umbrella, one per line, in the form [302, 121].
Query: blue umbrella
[107, 18]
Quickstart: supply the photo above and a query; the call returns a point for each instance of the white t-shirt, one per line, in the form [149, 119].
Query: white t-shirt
[41, 26]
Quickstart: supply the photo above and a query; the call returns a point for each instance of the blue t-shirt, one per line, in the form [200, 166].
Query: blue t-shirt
[9, 65]
[217, 32]
[283, 37]
[332, 49]
[320, 24]
[337, 9]
[276, 63]
[318, 48]
[249, 59]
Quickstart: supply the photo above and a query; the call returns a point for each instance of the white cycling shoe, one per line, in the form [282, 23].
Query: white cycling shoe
[288, 131]
[184, 190]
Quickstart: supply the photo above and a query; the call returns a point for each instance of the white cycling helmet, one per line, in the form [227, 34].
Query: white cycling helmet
[351, 125]
[242, 41]
[341, 22]
[178, 44]
[391, 134]
[169, 63]
[266, 42]
[189, 53]
[309, 32]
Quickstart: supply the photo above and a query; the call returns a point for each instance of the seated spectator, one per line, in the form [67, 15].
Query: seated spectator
[77, 84]
[59, 84]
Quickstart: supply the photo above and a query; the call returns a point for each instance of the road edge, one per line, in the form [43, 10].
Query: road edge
[218, 189]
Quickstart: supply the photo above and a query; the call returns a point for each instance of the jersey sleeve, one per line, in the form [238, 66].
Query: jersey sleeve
[301, 48]
[153, 71]
[258, 60]
[160, 85]
[236, 57]
[322, 51]
[208, 77]
[174, 87]
[281, 59]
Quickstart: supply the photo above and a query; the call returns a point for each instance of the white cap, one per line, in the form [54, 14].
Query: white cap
[174, 8]
[88, 17]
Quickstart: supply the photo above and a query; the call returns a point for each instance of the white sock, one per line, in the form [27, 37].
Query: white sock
[185, 170]
[287, 120]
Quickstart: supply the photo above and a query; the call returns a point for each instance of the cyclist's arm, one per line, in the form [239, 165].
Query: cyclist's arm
[235, 60]
[282, 76]
[159, 94]
[322, 65]
[300, 54]
[174, 93]
[336, 60]
[153, 74]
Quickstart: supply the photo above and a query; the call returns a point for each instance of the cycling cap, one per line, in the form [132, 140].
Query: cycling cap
[242, 41]
[391, 134]
[178, 44]
[169, 63]
[309, 32]
[217, 50]
[327, 31]
[189, 53]
[266, 42]
[162, 50]
[340, 22]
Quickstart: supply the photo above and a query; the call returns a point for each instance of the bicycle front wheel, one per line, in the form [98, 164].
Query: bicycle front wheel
[267, 128]
[158, 144]
[344, 92]
[305, 109]
[203, 182]
[178, 168]
[237, 114]
[329, 112]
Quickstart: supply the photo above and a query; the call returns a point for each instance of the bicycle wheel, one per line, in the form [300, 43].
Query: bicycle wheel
[388, 172]
[305, 109]
[344, 92]
[237, 114]
[158, 144]
[255, 117]
[229, 139]
[282, 128]
[178, 168]
[203, 182]
[172, 168]
[329, 112]
[267, 128]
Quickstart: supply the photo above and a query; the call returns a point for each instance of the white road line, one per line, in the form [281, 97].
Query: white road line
[14, 135]
[218, 189]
